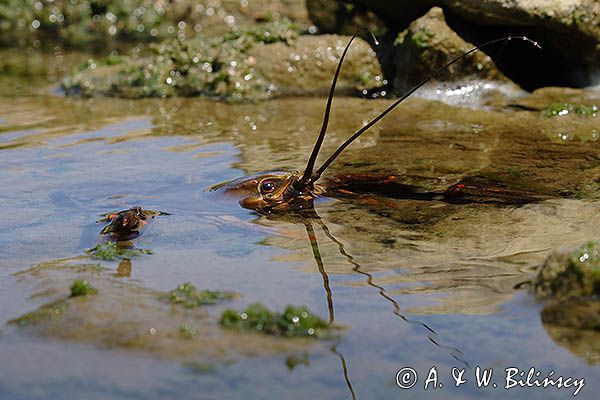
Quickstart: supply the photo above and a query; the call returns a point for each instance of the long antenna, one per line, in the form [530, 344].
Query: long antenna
[375, 120]
[315, 152]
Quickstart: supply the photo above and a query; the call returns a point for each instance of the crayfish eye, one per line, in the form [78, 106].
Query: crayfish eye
[267, 187]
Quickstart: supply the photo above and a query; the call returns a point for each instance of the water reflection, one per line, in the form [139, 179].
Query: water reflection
[310, 217]
[454, 266]
[124, 268]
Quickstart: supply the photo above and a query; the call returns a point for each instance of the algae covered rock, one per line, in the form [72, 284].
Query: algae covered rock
[79, 23]
[570, 275]
[122, 315]
[429, 43]
[571, 282]
[271, 59]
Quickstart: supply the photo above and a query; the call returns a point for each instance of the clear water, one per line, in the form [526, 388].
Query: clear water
[407, 267]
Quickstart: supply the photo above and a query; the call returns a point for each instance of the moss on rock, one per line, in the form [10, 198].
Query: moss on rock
[80, 23]
[267, 60]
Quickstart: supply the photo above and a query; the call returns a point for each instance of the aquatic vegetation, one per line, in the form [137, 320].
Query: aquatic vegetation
[422, 38]
[110, 251]
[82, 288]
[208, 66]
[242, 65]
[561, 109]
[80, 23]
[293, 322]
[189, 296]
[188, 331]
[42, 313]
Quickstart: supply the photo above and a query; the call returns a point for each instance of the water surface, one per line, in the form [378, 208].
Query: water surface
[413, 283]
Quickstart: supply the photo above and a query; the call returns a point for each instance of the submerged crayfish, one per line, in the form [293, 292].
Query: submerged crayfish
[127, 224]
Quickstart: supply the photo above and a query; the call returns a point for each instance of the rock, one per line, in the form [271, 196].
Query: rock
[271, 59]
[308, 65]
[568, 29]
[427, 44]
[346, 17]
[574, 275]
[576, 20]
[571, 283]
[79, 23]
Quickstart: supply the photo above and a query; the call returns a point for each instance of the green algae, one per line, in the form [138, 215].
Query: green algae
[189, 296]
[188, 331]
[293, 322]
[208, 66]
[83, 22]
[563, 109]
[43, 313]
[82, 288]
[111, 251]
[422, 38]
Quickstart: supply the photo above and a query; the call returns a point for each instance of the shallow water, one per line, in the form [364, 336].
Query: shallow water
[413, 283]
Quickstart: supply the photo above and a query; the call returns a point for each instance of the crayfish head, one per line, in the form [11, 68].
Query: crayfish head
[272, 191]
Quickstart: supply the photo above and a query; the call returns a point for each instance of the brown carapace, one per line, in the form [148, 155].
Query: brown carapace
[281, 191]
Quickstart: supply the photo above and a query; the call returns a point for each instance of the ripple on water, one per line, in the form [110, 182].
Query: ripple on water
[389, 271]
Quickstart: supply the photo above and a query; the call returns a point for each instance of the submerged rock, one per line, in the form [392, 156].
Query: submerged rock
[271, 59]
[123, 315]
[429, 43]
